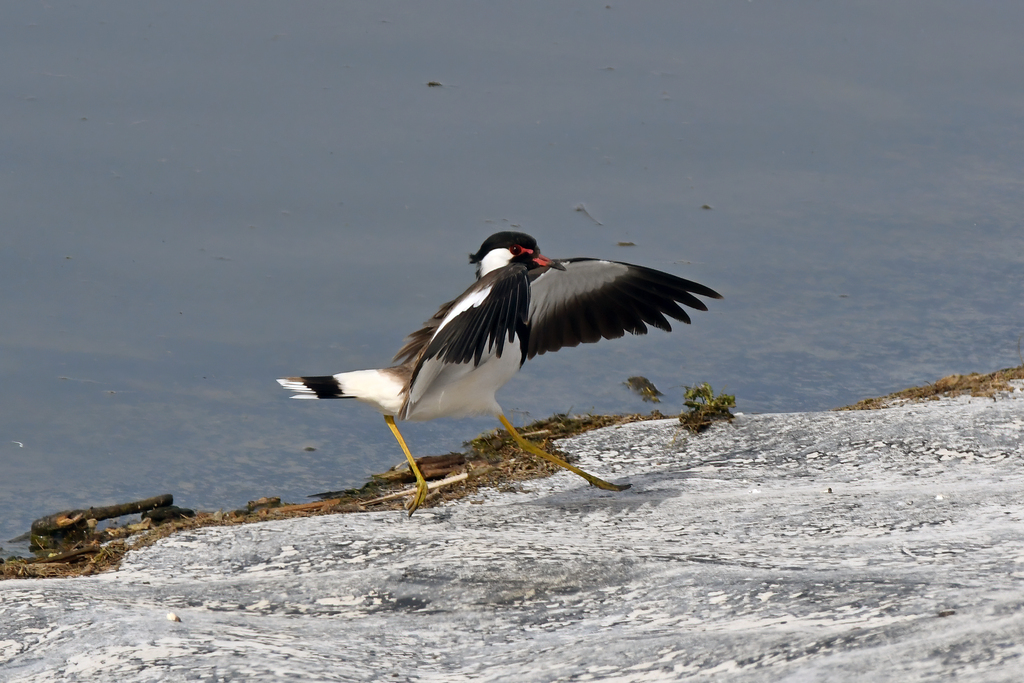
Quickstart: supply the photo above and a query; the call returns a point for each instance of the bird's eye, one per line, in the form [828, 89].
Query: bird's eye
[516, 250]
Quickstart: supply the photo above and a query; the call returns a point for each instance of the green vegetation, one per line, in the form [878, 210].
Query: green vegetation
[705, 407]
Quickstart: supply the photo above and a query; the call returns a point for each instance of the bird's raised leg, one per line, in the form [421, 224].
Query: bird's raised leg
[530, 448]
[421, 483]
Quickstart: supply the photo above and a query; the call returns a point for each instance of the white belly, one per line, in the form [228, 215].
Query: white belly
[461, 390]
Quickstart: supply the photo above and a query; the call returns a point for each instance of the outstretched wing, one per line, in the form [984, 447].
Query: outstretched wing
[593, 299]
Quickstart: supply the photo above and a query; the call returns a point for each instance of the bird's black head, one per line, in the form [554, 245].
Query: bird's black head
[504, 240]
[503, 248]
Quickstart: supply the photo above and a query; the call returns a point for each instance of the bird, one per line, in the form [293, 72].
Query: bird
[521, 305]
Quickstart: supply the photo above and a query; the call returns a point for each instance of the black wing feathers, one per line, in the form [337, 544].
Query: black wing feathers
[592, 299]
[497, 319]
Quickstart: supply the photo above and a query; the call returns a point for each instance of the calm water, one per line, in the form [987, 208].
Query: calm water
[199, 198]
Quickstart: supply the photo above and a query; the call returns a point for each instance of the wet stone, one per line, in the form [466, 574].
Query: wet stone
[871, 545]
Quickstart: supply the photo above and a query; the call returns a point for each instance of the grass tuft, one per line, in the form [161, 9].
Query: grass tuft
[705, 408]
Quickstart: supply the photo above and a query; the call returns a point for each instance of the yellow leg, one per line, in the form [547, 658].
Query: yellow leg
[530, 448]
[421, 483]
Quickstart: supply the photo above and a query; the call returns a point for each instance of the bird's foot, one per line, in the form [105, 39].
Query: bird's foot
[418, 498]
[607, 485]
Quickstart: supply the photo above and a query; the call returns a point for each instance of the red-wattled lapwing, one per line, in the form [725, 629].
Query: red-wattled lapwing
[522, 304]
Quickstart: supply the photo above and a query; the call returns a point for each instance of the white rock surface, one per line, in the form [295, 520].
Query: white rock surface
[729, 557]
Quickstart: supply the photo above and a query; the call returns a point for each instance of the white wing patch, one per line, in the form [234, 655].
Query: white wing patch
[471, 301]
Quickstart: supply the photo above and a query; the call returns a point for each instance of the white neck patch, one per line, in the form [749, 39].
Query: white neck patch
[495, 258]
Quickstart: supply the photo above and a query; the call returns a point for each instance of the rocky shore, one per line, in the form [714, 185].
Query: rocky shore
[833, 546]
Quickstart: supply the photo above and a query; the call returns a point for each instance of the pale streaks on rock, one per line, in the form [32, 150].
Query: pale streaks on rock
[823, 546]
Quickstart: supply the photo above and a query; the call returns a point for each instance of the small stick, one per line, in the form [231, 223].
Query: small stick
[583, 209]
[70, 555]
[299, 507]
[430, 486]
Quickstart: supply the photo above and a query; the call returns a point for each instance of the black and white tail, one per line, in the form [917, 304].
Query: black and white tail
[383, 389]
[326, 386]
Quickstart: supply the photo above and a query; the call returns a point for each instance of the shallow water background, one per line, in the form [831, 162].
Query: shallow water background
[199, 198]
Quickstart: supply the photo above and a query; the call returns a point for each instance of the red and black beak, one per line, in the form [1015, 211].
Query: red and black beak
[545, 262]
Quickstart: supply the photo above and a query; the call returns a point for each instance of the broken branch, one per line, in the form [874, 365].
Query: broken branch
[59, 521]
